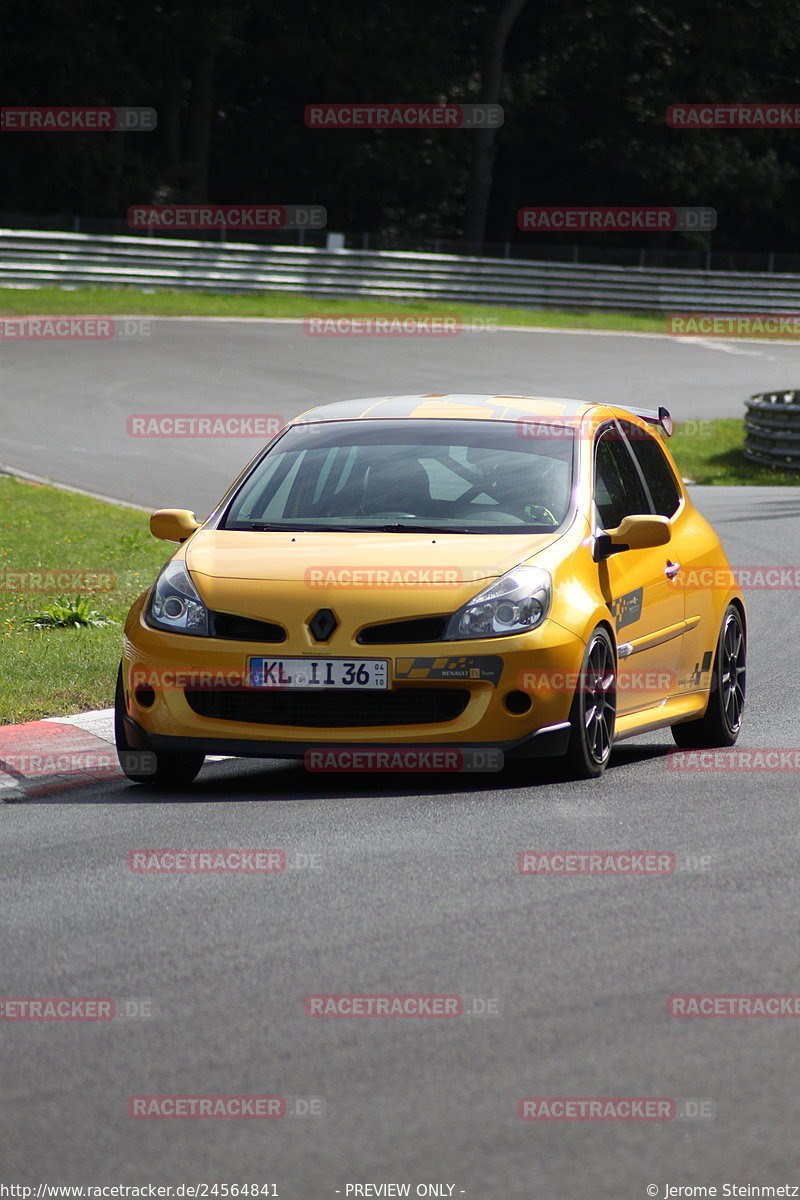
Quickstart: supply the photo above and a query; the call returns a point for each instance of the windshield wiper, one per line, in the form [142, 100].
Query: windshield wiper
[295, 527]
[399, 527]
[394, 527]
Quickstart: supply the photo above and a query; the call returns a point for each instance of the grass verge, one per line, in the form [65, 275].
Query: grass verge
[134, 302]
[712, 452]
[51, 672]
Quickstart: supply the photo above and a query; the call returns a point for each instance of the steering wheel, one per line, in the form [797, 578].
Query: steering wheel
[543, 515]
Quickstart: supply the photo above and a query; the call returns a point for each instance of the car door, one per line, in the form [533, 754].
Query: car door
[645, 600]
[693, 554]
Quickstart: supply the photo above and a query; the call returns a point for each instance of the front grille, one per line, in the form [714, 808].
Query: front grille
[421, 629]
[324, 709]
[244, 629]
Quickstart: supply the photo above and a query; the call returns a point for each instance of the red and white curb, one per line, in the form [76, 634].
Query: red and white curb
[99, 721]
[43, 757]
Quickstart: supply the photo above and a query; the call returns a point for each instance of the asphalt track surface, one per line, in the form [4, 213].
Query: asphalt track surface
[413, 892]
[417, 891]
[65, 404]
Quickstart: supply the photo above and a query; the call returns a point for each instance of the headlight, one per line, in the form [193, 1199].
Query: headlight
[175, 604]
[514, 603]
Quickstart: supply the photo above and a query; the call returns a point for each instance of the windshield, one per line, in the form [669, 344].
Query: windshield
[468, 476]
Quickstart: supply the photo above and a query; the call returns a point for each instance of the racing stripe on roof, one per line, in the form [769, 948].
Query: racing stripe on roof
[394, 406]
[453, 406]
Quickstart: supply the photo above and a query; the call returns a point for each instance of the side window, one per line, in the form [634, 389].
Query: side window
[657, 473]
[618, 492]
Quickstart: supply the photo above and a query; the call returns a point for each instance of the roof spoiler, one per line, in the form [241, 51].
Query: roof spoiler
[661, 418]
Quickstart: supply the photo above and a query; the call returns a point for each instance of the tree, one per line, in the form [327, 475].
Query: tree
[483, 148]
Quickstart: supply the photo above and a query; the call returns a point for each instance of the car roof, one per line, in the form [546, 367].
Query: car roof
[433, 406]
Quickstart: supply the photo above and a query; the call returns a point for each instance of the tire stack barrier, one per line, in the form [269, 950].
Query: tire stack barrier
[772, 429]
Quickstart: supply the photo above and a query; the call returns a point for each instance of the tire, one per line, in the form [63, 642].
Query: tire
[723, 718]
[171, 769]
[594, 710]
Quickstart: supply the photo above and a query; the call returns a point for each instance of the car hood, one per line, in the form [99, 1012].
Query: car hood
[320, 558]
[275, 576]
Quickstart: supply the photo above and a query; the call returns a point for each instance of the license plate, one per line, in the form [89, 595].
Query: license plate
[357, 674]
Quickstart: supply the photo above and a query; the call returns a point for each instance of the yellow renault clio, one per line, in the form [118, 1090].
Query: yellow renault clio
[486, 572]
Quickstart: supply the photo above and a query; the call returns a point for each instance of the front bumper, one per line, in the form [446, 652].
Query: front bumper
[542, 743]
[488, 671]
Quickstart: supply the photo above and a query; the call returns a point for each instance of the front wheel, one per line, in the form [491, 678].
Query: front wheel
[594, 710]
[154, 767]
[723, 718]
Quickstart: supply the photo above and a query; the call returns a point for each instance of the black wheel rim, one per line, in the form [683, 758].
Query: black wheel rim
[600, 700]
[733, 672]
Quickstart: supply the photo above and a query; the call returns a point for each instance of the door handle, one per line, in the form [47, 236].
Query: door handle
[671, 569]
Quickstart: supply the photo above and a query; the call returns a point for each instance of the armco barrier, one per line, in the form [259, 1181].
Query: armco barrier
[772, 429]
[36, 259]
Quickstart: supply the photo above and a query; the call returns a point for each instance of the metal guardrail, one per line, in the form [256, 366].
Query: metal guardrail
[772, 429]
[37, 259]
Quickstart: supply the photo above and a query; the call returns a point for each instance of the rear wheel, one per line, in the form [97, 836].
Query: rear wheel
[594, 710]
[155, 767]
[723, 718]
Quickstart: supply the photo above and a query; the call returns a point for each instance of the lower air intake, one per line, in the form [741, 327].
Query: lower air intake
[321, 710]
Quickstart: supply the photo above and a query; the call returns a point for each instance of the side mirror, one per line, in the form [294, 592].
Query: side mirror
[640, 532]
[173, 524]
